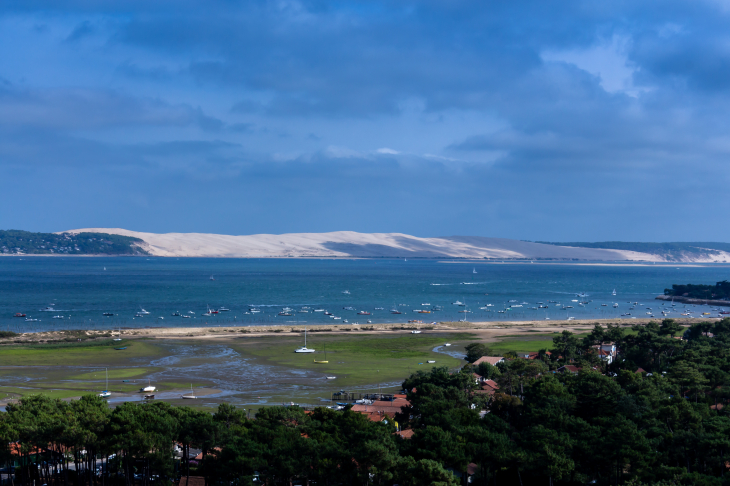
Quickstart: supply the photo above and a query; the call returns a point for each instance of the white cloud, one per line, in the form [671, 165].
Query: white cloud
[608, 61]
[386, 150]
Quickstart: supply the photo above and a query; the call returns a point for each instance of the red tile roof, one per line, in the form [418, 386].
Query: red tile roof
[381, 408]
[492, 360]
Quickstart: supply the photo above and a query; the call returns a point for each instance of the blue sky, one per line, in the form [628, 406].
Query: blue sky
[560, 121]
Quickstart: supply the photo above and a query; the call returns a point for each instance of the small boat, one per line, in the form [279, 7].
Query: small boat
[431, 361]
[191, 312]
[318, 310]
[424, 311]
[106, 393]
[223, 309]
[615, 305]
[185, 317]
[363, 313]
[120, 349]
[328, 313]
[614, 292]
[396, 311]
[175, 314]
[285, 314]
[149, 387]
[191, 396]
[149, 397]
[447, 344]
[107, 314]
[48, 309]
[415, 332]
[458, 302]
[19, 314]
[337, 318]
[325, 357]
[142, 311]
[346, 292]
[212, 278]
[331, 377]
[474, 270]
[31, 320]
[304, 349]
[57, 317]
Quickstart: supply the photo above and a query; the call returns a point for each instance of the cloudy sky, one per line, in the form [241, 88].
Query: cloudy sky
[540, 120]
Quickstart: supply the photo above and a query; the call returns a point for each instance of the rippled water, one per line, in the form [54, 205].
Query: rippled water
[81, 289]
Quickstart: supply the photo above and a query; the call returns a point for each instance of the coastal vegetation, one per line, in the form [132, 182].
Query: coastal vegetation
[719, 291]
[27, 243]
[657, 414]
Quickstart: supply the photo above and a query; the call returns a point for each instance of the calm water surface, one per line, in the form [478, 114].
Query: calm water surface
[80, 289]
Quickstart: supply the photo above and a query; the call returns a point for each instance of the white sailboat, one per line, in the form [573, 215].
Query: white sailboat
[192, 395]
[106, 393]
[614, 292]
[304, 349]
[149, 387]
[474, 270]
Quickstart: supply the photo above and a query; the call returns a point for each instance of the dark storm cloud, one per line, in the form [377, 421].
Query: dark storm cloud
[490, 118]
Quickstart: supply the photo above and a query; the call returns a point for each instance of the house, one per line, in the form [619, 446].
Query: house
[568, 369]
[192, 481]
[488, 387]
[492, 360]
[533, 355]
[381, 410]
[605, 356]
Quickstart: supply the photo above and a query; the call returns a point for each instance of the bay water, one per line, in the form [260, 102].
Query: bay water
[74, 292]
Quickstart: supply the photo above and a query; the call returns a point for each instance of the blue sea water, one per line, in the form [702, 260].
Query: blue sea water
[81, 289]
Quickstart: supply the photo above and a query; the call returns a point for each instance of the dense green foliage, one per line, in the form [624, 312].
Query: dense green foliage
[721, 290]
[604, 424]
[25, 242]
[672, 251]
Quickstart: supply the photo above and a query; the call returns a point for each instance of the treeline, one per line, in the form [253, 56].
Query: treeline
[26, 242]
[606, 424]
[721, 290]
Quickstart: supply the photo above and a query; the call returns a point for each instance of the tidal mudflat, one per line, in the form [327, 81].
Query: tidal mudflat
[244, 370]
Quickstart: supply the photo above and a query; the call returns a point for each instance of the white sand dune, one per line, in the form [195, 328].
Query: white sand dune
[352, 244]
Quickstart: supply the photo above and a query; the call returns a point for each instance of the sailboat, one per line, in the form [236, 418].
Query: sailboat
[304, 349]
[191, 396]
[614, 292]
[149, 387]
[474, 270]
[325, 357]
[106, 393]
[211, 277]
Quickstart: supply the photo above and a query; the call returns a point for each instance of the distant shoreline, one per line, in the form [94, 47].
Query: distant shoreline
[441, 259]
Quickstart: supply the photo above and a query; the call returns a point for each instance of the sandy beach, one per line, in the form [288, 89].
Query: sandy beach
[488, 329]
